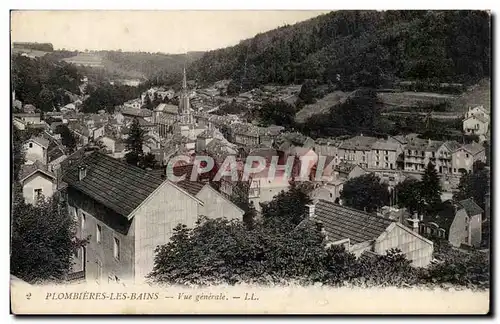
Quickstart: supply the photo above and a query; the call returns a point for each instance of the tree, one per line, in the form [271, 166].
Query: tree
[18, 154]
[148, 161]
[287, 209]
[365, 192]
[474, 185]
[43, 240]
[408, 194]
[225, 251]
[278, 113]
[431, 186]
[67, 137]
[148, 104]
[134, 143]
[307, 93]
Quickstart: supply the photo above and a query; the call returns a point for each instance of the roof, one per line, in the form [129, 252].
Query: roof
[113, 183]
[137, 112]
[385, 145]
[168, 108]
[453, 145]
[28, 169]
[481, 118]
[40, 141]
[193, 187]
[470, 207]
[399, 138]
[473, 148]
[363, 143]
[345, 167]
[341, 222]
[145, 123]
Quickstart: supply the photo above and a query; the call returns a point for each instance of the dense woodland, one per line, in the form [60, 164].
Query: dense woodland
[359, 48]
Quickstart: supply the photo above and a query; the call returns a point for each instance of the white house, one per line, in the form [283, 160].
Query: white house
[36, 150]
[37, 182]
[476, 125]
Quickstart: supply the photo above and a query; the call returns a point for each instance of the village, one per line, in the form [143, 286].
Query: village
[128, 211]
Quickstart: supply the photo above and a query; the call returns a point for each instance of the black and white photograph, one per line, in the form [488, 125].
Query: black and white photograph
[250, 162]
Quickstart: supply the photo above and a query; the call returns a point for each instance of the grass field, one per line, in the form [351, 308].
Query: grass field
[321, 106]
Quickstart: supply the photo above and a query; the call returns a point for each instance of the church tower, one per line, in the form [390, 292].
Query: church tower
[184, 107]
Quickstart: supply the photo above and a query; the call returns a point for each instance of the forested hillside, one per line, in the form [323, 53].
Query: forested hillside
[359, 48]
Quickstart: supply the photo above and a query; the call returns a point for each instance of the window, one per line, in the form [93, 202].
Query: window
[377, 164]
[98, 233]
[331, 195]
[116, 248]
[387, 158]
[386, 152]
[433, 154]
[409, 151]
[467, 155]
[83, 221]
[30, 145]
[99, 271]
[37, 194]
[454, 170]
[364, 159]
[386, 165]
[377, 152]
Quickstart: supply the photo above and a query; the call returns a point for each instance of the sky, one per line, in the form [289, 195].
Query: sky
[148, 31]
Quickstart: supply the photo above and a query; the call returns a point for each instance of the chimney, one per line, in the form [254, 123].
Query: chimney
[82, 172]
[415, 220]
[311, 208]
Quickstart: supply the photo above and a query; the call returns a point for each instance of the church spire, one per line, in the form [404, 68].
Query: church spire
[184, 81]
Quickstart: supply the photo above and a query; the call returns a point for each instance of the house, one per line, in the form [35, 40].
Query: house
[28, 118]
[37, 182]
[359, 232]
[419, 152]
[215, 204]
[133, 104]
[478, 111]
[466, 226]
[386, 155]
[358, 150]
[329, 191]
[348, 170]
[127, 212]
[29, 109]
[476, 125]
[465, 156]
[36, 149]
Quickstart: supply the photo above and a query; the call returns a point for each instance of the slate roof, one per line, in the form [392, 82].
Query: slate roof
[28, 169]
[470, 207]
[453, 145]
[167, 108]
[344, 167]
[113, 183]
[41, 141]
[385, 145]
[478, 117]
[341, 222]
[361, 143]
[192, 187]
[137, 112]
[473, 148]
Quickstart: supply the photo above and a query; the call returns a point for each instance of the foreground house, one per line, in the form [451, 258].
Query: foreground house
[360, 232]
[127, 212]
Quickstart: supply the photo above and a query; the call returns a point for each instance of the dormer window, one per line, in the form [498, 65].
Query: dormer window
[82, 172]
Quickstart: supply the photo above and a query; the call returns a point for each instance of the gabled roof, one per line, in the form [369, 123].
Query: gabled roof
[193, 187]
[470, 207]
[40, 141]
[341, 222]
[362, 143]
[385, 145]
[453, 145]
[473, 148]
[113, 183]
[345, 167]
[481, 118]
[28, 169]
[167, 108]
